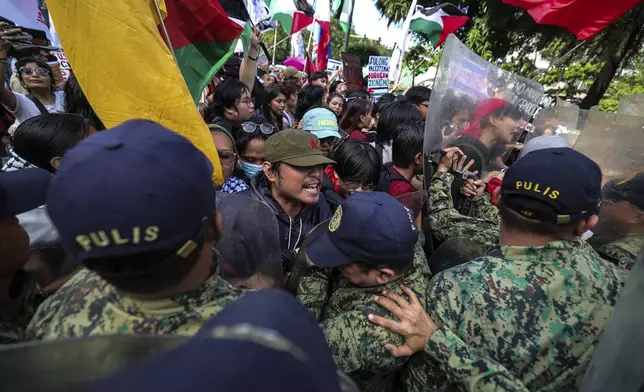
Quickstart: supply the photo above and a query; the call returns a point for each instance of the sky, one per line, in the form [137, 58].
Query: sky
[367, 20]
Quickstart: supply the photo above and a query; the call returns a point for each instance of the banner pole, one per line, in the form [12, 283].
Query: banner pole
[277, 26]
[165, 31]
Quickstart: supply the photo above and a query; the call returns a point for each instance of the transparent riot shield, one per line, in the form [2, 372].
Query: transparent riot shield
[557, 121]
[617, 361]
[478, 107]
[632, 105]
[71, 364]
[616, 143]
[454, 252]
[248, 253]
[415, 203]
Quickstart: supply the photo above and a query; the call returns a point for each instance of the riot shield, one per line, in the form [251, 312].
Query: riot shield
[478, 107]
[454, 252]
[248, 253]
[616, 144]
[559, 121]
[632, 105]
[415, 203]
[70, 365]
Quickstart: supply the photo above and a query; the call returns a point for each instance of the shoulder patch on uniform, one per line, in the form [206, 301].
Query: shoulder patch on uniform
[335, 220]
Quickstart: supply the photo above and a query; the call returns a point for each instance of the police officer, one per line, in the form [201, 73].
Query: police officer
[537, 305]
[20, 191]
[619, 236]
[136, 206]
[445, 221]
[370, 244]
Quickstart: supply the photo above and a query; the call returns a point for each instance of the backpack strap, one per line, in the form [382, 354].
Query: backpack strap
[38, 104]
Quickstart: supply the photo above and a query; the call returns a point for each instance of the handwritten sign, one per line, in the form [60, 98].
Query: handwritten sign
[352, 72]
[378, 82]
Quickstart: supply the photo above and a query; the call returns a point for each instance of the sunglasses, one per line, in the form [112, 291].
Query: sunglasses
[30, 71]
[227, 156]
[251, 127]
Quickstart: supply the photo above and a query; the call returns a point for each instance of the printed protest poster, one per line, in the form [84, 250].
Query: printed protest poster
[378, 82]
[352, 72]
[332, 66]
[64, 66]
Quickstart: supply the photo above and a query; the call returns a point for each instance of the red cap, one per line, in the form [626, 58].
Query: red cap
[483, 109]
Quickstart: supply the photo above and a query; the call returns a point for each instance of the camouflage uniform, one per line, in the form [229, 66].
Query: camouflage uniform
[538, 311]
[87, 306]
[358, 346]
[624, 250]
[15, 315]
[482, 227]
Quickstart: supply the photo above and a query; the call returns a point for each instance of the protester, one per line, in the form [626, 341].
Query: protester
[357, 120]
[391, 116]
[356, 169]
[144, 224]
[369, 246]
[21, 191]
[291, 91]
[457, 117]
[232, 104]
[338, 87]
[290, 184]
[228, 157]
[335, 103]
[269, 79]
[264, 335]
[311, 96]
[250, 138]
[320, 78]
[323, 124]
[407, 153]
[248, 66]
[539, 288]
[76, 103]
[293, 75]
[274, 106]
[419, 96]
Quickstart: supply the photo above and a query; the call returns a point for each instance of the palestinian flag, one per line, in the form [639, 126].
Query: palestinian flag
[436, 23]
[292, 15]
[203, 38]
[341, 13]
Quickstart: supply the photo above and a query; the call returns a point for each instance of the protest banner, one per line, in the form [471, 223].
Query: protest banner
[352, 72]
[332, 66]
[378, 82]
[25, 13]
[61, 68]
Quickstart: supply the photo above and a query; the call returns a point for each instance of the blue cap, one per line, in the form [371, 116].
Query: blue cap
[265, 341]
[565, 180]
[134, 188]
[369, 227]
[321, 122]
[22, 190]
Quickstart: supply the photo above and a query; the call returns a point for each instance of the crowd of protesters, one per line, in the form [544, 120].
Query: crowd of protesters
[115, 231]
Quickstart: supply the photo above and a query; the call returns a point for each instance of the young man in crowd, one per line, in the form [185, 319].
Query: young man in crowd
[419, 96]
[538, 305]
[144, 226]
[370, 245]
[320, 78]
[322, 123]
[293, 75]
[20, 191]
[290, 186]
[407, 153]
[232, 104]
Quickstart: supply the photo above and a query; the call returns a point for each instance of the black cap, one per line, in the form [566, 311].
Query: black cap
[22, 190]
[630, 190]
[564, 179]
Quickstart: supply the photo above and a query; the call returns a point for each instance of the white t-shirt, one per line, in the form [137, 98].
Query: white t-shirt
[26, 108]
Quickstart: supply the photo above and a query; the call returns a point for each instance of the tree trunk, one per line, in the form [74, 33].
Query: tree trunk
[617, 53]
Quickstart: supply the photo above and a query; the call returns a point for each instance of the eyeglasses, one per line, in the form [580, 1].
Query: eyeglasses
[353, 187]
[29, 71]
[247, 101]
[251, 127]
[226, 156]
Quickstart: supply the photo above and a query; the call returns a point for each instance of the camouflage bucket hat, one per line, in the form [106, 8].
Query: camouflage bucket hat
[296, 148]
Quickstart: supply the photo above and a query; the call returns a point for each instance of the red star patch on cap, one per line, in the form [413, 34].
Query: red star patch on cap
[314, 144]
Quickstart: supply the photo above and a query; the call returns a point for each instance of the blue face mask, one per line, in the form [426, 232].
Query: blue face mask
[249, 169]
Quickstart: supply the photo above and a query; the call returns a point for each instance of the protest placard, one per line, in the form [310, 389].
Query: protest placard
[378, 82]
[352, 72]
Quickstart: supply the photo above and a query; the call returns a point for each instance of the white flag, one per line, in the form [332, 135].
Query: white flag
[395, 65]
[25, 13]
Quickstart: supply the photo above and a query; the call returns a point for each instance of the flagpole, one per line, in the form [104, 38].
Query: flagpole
[165, 31]
[308, 47]
[282, 40]
[277, 26]
[346, 35]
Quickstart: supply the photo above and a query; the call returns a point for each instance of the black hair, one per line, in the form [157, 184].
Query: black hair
[41, 138]
[289, 88]
[227, 96]
[330, 97]
[386, 98]
[354, 109]
[398, 269]
[76, 102]
[310, 96]
[24, 61]
[359, 94]
[505, 111]
[393, 115]
[242, 138]
[357, 162]
[145, 273]
[407, 143]
[270, 93]
[418, 94]
[57, 263]
[334, 86]
[455, 105]
[515, 221]
[318, 75]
